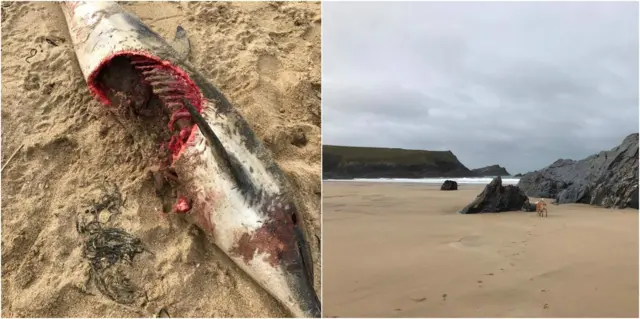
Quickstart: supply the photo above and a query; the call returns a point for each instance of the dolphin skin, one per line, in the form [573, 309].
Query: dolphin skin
[230, 185]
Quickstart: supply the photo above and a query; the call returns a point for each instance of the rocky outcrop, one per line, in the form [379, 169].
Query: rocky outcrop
[449, 185]
[493, 170]
[608, 179]
[518, 175]
[496, 198]
[528, 206]
[347, 162]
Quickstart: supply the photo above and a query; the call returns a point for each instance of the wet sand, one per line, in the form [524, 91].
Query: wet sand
[400, 250]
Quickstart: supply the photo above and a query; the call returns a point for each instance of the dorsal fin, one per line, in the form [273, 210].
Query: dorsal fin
[181, 43]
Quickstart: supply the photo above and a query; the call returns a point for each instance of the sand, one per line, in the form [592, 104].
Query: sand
[265, 57]
[400, 250]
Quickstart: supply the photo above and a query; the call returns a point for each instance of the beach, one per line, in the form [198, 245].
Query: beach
[401, 250]
[72, 155]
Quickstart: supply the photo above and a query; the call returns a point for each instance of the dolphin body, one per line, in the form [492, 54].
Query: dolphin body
[235, 191]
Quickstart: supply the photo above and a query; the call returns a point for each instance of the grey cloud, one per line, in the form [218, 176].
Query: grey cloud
[389, 102]
[516, 84]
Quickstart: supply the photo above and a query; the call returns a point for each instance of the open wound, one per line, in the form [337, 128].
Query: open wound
[149, 91]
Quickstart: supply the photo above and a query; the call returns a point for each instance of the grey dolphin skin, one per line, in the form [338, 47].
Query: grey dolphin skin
[230, 185]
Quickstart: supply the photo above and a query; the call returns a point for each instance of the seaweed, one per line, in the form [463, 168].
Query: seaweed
[106, 248]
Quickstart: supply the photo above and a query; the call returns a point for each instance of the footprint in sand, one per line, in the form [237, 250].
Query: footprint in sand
[466, 242]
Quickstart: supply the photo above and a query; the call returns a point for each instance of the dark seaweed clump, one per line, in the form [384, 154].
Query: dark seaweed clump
[107, 249]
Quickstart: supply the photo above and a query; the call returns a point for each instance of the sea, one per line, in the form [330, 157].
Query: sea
[438, 181]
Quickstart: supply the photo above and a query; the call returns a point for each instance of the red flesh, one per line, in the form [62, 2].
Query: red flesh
[182, 206]
[180, 114]
[181, 82]
[147, 64]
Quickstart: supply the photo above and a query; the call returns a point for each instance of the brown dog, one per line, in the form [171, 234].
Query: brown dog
[541, 207]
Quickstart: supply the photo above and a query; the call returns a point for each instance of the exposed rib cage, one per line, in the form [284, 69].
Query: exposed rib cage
[171, 87]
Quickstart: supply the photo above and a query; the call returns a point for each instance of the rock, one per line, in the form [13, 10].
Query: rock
[496, 198]
[518, 175]
[493, 170]
[608, 179]
[528, 206]
[449, 185]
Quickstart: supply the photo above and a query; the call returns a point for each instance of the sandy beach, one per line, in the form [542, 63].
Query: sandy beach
[400, 250]
[72, 154]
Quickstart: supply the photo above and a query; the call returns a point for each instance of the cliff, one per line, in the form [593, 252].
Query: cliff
[347, 162]
[608, 179]
[493, 170]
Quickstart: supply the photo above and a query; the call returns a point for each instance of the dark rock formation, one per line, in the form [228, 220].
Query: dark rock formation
[493, 170]
[608, 179]
[518, 175]
[346, 162]
[449, 185]
[528, 206]
[496, 198]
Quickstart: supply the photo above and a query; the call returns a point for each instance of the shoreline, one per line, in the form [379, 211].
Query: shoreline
[429, 180]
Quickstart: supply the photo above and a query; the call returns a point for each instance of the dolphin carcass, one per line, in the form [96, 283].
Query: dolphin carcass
[231, 186]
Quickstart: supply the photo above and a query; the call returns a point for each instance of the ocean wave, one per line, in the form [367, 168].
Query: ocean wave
[440, 180]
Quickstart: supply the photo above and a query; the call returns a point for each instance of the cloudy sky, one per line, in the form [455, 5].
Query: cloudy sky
[515, 84]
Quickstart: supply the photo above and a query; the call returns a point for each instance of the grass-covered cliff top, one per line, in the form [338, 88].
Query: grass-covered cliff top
[388, 155]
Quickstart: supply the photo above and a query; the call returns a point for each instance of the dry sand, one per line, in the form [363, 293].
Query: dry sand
[264, 56]
[400, 250]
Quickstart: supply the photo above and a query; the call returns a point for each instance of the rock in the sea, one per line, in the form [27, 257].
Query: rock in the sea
[449, 185]
[492, 170]
[518, 175]
[608, 179]
[496, 198]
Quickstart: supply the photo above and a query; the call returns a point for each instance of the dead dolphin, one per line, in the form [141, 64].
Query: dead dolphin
[232, 187]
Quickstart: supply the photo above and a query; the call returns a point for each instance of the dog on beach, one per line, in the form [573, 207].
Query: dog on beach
[541, 207]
